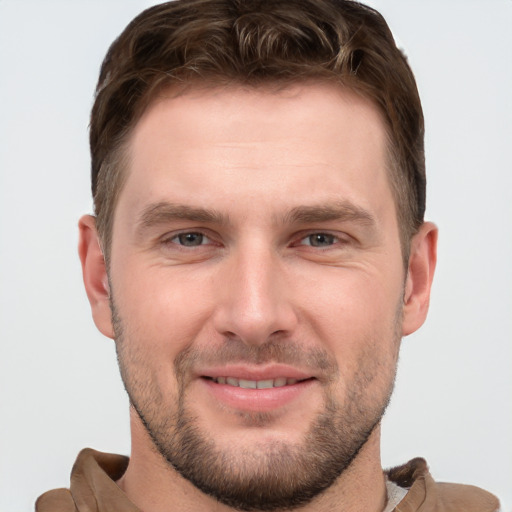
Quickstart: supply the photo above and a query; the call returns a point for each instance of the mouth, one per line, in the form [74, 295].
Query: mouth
[257, 389]
[278, 382]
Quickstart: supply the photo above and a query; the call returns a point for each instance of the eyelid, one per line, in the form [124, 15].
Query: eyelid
[340, 238]
[204, 239]
[169, 238]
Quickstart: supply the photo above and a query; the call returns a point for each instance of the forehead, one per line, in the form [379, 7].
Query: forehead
[277, 145]
[212, 114]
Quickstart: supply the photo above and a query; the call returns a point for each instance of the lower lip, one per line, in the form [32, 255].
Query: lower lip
[257, 400]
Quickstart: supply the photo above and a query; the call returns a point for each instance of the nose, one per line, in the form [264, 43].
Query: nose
[255, 302]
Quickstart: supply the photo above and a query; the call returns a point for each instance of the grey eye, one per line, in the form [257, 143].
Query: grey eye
[190, 239]
[320, 240]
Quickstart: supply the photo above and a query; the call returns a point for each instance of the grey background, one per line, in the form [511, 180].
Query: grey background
[59, 385]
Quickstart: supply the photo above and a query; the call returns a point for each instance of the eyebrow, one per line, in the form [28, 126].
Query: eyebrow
[164, 212]
[340, 211]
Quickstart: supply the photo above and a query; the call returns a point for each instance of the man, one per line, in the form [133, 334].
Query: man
[258, 252]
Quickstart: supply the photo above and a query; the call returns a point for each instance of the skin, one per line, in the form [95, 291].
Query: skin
[272, 267]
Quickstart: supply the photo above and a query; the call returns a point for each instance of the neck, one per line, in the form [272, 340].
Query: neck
[154, 486]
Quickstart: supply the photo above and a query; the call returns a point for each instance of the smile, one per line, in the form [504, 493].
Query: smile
[256, 384]
[251, 389]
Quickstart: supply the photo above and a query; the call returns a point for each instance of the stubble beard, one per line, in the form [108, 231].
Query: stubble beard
[275, 475]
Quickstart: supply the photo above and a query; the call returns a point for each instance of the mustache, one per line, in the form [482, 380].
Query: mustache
[234, 351]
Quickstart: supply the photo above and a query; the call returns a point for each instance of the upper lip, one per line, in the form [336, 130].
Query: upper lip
[252, 372]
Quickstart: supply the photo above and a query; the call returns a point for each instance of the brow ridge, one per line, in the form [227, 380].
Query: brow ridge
[163, 211]
[341, 211]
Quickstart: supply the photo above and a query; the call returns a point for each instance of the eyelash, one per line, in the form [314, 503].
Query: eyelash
[170, 239]
[335, 239]
[320, 234]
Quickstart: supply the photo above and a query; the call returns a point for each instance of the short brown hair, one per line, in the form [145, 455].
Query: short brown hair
[253, 43]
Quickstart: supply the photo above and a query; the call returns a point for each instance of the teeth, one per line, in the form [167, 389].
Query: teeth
[247, 384]
[256, 384]
[265, 384]
[280, 382]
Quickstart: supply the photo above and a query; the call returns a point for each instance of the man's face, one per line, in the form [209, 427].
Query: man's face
[256, 245]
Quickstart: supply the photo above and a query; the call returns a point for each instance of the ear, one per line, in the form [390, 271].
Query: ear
[422, 263]
[95, 274]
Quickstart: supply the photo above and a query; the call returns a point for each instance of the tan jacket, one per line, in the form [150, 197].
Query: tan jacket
[93, 489]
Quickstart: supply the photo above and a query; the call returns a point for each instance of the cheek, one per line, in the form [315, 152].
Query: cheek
[159, 322]
[162, 309]
[357, 321]
[355, 309]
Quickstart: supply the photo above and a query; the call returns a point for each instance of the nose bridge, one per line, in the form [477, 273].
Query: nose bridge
[255, 301]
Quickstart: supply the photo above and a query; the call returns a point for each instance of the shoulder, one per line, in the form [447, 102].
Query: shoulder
[427, 495]
[93, 485]
[467, 498]
[58, 500]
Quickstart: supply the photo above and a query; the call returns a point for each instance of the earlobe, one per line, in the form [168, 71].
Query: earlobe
[422, 263]
[95, 274]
